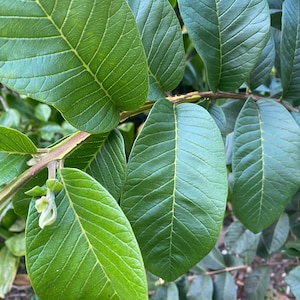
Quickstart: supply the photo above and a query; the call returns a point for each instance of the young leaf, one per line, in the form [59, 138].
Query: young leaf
[266, 163]
[162, 40]
[293, 279]
[228, 35]
[15, 142]
[290, 50]
[103, 157]
[87, 61]
[176, 187]
[90, 251]
[257, 282]
[224, 287]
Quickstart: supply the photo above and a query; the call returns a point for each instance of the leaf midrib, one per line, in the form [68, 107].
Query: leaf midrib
[75, 52]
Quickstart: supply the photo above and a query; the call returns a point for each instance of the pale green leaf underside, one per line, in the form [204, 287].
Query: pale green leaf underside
[176, 187]
[85, 59]
[90, 252]
[228, 35]
[103, 157]
[290, 50]
[266, 163]
[162, 40]
[15, 142]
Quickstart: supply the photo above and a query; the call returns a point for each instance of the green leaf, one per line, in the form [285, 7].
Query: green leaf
[275, 235]
[228, 35]
[15, 142]
[168, 291]
[42, 112]
[201, 288]
[266, 163]
[257, 282]
[103, 157]
[162, 40]
[290, 50]
[293, 279]
[16, 244]
[264, 65]
[241, 242]
[8, 270]
[224, 287]
[90, 252]
[213, 261]
[11, 165]
[176, 187]
[85, 60]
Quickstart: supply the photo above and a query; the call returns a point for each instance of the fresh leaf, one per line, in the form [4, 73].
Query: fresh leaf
[213, 261]
[162, 40]
[224, 287]
[8, 270]
[257, 282]
[201, 288]
[228, 35]
[176, 187]
[290, 50]
[90, 242]
[88, 62]
[266, 163]
[11, 165]
[42, 112]
[13, 141]
[16, 244]
[264, 65]
[293, 279]
[103, 157]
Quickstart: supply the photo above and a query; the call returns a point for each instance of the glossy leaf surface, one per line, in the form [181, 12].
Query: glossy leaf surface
[228, 35]
[90, 251]
[15, 142]
[290, 50]
[266, 163]
[176, 187]
[162, 40]
[87, 61]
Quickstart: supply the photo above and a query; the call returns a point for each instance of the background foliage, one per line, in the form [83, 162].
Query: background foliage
[149, 135]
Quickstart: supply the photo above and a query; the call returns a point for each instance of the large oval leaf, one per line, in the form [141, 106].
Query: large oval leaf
[290, 50]
[266, 163]
[228, 35]
[90, 252]
[85, 60]
[176, 187]
[162, 39]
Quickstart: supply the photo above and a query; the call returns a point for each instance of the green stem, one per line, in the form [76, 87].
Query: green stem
[57, 152]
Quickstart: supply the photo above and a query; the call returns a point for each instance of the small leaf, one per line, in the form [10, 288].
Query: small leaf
[290, 50]
[103, 157]
[162, 40]
[265, 176]
[275, 236]
[201, 288]
[42, 112]
[241, 241]
[224, 287]
[11, 165]
[293, 279]
[86, 61]
[8, 270]
[176, 187]
[13, 141]
[16, 244]
[228, 35]
[264, 65]
[213, 260]
[90, 242]
[257, 282]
